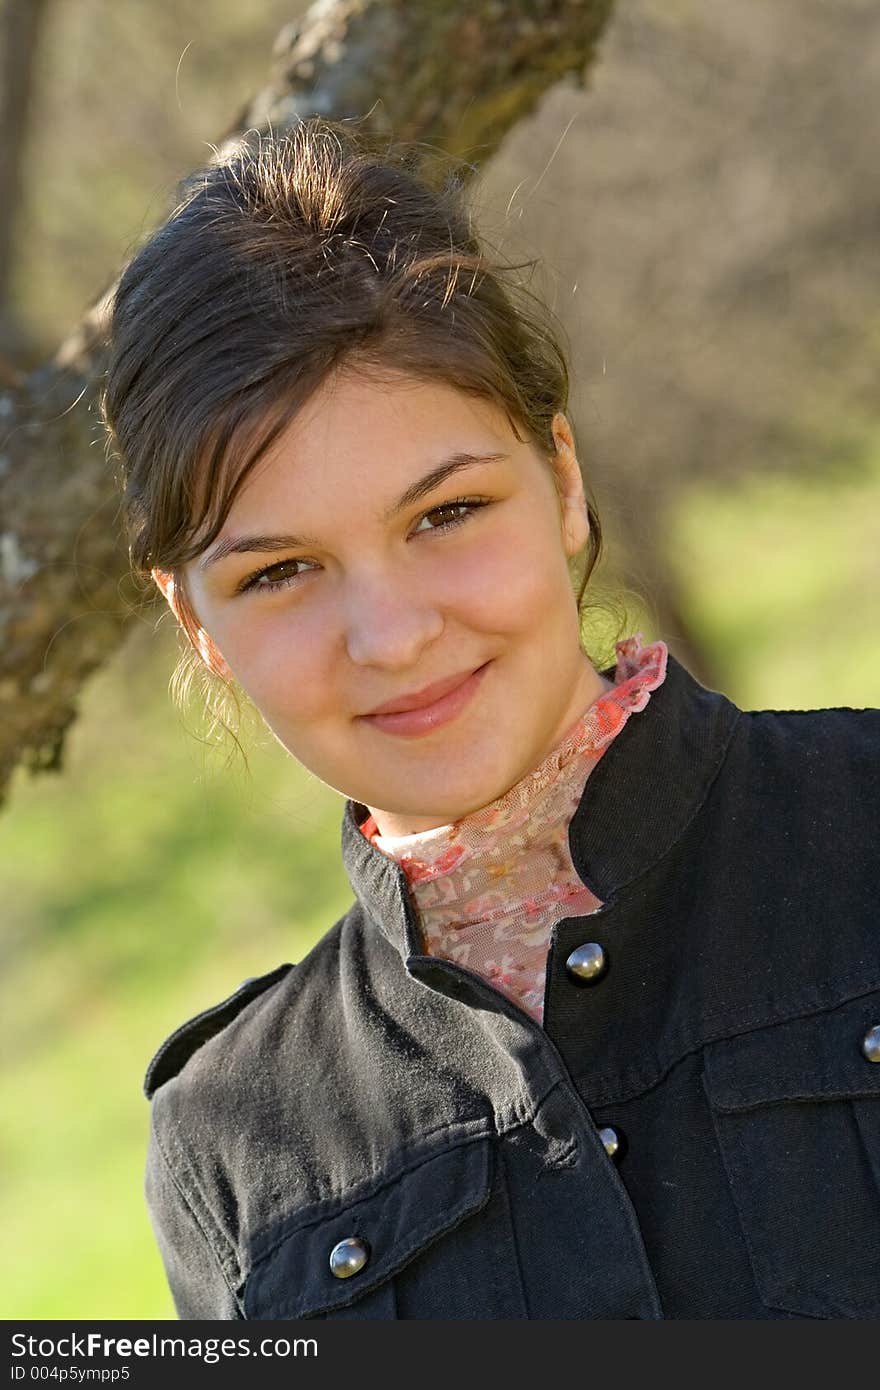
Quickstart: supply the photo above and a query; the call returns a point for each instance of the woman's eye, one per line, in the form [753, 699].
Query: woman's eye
[447, 512]
[285, 574]
[264, 582]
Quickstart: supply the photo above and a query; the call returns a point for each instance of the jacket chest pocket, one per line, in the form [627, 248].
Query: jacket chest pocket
[797, 1115]
[405, 1248]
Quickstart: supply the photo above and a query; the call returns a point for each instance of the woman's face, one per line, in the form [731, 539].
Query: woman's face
[383, 595]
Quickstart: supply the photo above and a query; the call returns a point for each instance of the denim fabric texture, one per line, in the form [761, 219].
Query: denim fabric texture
[374, 1093]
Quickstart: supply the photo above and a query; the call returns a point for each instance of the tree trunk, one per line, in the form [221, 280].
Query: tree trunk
[456, 74]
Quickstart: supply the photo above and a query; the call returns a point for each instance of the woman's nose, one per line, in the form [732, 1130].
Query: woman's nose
[385, 626]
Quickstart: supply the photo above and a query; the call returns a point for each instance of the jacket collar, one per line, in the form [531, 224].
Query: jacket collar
[636, 803]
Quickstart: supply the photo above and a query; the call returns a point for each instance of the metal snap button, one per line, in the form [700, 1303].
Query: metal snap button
[349, 1257]
[871, 1043]
[587, 963]
[613, 1142]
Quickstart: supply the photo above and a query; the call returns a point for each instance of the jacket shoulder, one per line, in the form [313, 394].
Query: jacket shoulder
[822, 735]
[807, 784]
[177, 1049]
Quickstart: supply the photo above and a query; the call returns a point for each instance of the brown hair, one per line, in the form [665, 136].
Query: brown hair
[293, 256]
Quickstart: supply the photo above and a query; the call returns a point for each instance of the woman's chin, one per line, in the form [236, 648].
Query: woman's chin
[413, 814]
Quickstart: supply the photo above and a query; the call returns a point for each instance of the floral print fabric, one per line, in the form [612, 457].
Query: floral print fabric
[489, 888]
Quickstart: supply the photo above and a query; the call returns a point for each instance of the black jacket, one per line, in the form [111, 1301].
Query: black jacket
[377, 1096]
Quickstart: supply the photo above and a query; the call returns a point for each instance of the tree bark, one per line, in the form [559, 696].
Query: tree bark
[456, 74]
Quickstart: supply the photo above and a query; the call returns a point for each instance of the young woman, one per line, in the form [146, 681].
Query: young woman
[598, 1036]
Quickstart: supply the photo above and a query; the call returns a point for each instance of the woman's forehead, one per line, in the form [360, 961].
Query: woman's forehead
[362, 435]
[357, 413]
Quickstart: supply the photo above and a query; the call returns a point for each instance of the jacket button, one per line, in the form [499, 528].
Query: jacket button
[349, 1257]
[871, 1043]
[587, 963]
[613, 1141]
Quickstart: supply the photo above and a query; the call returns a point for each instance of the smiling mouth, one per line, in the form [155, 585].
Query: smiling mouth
[424, 719]
[428, 695]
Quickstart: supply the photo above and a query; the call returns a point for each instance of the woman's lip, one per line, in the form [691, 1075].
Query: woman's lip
[411, 723]
[428, 695]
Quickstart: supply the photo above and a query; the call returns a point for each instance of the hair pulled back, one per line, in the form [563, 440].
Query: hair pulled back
[292, 256]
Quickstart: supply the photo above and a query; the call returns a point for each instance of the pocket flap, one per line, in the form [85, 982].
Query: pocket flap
[396, 1220]
[819, 1057]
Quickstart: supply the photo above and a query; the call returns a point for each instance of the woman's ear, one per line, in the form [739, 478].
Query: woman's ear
[208, 651]
[570, 486]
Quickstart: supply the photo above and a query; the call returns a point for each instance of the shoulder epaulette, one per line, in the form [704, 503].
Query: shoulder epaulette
[190, 1036]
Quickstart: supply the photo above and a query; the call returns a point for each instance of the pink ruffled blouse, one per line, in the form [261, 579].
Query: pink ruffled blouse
[489, 888]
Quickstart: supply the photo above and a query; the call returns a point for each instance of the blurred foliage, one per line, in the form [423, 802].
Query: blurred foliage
[783, 576]
[711, 346]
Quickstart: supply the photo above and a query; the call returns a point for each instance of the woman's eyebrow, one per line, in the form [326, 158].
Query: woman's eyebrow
[239, 545]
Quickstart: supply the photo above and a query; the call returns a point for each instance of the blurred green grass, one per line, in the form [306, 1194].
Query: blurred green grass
[783, 583]
[146, 881]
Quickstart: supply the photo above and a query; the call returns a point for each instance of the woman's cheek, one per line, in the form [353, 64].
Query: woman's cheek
[509, 586]
[278, 657]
